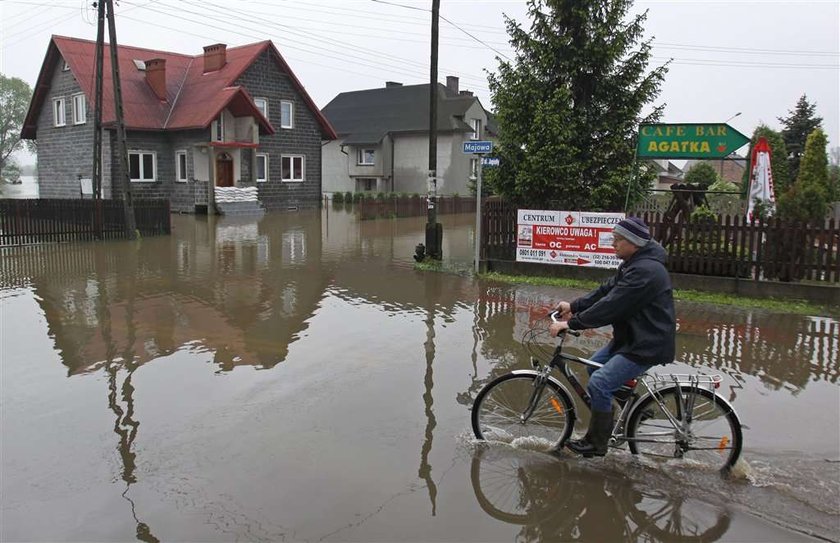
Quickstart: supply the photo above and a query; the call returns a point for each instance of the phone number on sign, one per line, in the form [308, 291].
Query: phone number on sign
[531, 252]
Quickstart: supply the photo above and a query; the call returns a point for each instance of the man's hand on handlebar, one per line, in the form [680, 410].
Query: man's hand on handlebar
[557, 327]
[565, 310]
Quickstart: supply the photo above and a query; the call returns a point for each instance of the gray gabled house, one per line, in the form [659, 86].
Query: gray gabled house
[196, 125]
[383, 142]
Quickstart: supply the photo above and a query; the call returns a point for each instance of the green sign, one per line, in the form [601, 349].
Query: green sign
[688, 140]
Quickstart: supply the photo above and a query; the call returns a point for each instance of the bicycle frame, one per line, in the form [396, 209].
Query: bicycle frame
[626, 396]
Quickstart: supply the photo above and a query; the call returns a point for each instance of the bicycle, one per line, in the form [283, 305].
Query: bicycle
[660, 416]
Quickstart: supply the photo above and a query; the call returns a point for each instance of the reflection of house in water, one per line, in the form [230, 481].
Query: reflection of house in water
[782, 353]
[242, 290]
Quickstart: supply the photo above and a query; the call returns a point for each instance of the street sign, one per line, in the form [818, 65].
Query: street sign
[478, 147]
[489, 161]
[571, 238]
[688, 141]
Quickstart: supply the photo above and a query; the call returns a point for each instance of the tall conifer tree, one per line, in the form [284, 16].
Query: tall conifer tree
[570, 103]
[798, 125]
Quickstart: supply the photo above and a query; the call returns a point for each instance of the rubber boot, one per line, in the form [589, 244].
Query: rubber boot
[600, 430]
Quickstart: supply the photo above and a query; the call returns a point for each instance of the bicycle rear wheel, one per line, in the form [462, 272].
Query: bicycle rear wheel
[500, 408]
[712, 432]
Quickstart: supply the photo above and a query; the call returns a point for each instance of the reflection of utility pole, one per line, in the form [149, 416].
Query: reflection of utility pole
[122, 150]
[434, 230]
[425, 471]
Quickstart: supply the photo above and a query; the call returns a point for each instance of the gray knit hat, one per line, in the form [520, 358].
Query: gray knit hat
[634, 230]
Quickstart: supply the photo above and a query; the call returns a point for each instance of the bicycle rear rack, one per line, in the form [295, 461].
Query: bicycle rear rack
[694, 380]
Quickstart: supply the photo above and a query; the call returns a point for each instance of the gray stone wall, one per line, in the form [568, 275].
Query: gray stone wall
[264, 80]
[65, 153]
[182, 196]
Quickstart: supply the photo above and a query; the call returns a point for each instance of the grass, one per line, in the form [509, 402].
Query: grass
[797, 307]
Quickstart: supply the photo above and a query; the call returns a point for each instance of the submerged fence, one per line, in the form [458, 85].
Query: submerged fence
[34, 221]
[729, 246]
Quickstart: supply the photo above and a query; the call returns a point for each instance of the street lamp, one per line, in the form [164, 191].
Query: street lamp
[723, 158]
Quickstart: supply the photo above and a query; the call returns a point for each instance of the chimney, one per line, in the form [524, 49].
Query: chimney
[452, 84]
[215, 56]
[465, 93]
[391, 84]
[156, 76]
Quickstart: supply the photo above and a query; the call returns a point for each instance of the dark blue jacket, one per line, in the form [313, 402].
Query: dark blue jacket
[639, 303]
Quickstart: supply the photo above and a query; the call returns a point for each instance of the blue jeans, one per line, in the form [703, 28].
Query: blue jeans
[605, 380]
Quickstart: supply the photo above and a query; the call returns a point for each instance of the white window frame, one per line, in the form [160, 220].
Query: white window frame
[292, 158]
[476, 126]
[65, 67]
[256, 168]
[141, 152]
[264, 109]
[178, 172]
[79, 111]
[63, 104]
[219, 128]
[291, 105]
[360, 156]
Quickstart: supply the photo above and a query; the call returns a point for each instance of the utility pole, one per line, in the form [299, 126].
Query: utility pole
[97, 119]
[434, 230]
[122, 170]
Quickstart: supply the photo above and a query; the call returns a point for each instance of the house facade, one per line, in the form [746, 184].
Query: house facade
[233, 117]
[383, 142]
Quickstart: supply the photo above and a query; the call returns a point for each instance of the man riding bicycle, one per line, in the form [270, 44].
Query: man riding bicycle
[638, 302]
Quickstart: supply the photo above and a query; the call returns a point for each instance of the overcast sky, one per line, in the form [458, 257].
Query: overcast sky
[755, 58]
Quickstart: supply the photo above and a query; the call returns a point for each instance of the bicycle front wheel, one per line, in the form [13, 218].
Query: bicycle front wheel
[707, 430]
[512, 407]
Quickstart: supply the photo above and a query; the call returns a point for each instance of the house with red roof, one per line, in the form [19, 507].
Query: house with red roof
[230, 117]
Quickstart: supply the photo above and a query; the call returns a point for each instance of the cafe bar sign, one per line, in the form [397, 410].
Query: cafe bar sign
[688, 141]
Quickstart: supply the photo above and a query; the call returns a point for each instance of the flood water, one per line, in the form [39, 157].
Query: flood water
[294, 378]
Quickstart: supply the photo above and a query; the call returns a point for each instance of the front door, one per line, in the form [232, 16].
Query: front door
[224, 170]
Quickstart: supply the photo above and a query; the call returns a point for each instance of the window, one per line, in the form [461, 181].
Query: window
[473, 168]
[367, 184]
[365, 157]
[476, 126]
[79, 111]
[291, 168]
[219, 128]
[58, 112]
[65, 67]
[142, 166]
[287, 114]
[181, 166]
[262, 105]
[262, 168]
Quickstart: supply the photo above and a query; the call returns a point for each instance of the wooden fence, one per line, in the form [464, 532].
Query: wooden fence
[34, 221]
[370, 208]
[726, 247]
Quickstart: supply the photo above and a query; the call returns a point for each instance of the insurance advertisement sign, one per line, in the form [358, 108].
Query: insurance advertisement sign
[570, 238]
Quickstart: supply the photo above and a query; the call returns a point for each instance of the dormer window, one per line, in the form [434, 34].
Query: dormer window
[366, 157]
[219, 128]
[476, 126]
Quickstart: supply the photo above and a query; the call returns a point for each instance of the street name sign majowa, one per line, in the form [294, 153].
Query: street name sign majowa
[688, 141]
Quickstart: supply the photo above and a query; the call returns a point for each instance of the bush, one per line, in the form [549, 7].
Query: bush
[358, 197]
[703, 215]
[338, 198]
[348, 196]
[380, 196]
[702, 174]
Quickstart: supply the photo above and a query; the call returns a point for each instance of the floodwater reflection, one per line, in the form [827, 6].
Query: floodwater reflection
[219, 381]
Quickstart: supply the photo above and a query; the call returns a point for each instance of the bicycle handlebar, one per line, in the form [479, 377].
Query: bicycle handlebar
[555, 317]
